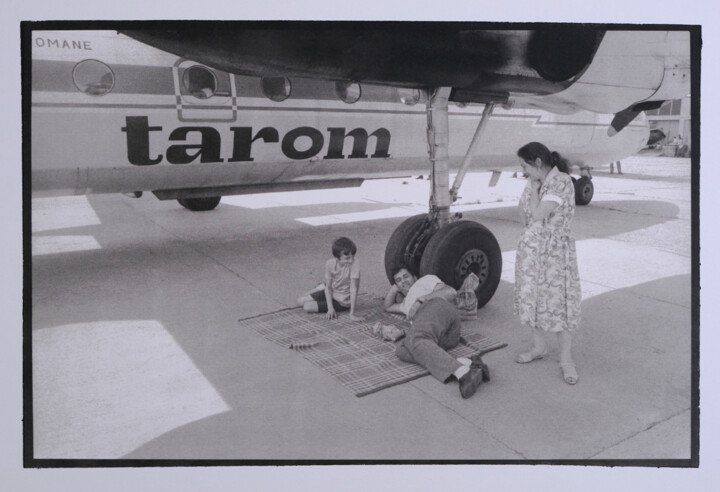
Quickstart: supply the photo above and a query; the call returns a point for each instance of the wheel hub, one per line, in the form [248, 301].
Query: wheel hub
[475, 261]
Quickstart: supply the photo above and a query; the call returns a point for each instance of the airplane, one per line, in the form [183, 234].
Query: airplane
[195, 111]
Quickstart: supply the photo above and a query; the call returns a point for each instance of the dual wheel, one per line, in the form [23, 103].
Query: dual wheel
[451, 253]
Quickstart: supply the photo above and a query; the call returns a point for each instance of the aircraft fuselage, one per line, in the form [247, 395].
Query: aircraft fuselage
[110, 114]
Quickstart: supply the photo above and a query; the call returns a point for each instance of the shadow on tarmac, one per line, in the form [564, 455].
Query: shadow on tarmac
[197, 274]
[141, 265]
[233, 224]
[633, 354]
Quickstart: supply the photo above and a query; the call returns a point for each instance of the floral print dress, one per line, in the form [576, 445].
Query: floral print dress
[547, 285]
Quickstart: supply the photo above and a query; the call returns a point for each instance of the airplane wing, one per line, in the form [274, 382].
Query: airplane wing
[478, 64]
[559, 68]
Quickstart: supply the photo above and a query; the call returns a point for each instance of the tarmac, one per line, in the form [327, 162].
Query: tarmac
[137, 353]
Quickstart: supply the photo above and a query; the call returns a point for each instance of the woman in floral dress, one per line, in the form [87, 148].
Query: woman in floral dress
[547, 286]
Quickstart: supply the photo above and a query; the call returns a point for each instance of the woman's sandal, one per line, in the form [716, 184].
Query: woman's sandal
[530, 356]
[570, 375]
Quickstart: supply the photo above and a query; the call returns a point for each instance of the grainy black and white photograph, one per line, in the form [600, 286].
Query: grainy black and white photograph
[304, 242]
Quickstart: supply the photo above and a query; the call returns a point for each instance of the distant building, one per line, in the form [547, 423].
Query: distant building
[672, 118]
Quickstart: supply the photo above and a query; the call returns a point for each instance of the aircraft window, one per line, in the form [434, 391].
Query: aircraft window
[200, 82]
[276, 88]
[93, 77]
[409, 96]
[349, 92]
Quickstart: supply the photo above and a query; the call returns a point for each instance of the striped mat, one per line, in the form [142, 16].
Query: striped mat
[349, 351]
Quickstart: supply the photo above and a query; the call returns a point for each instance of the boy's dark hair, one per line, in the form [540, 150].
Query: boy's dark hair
[402, 266]
[343, 245]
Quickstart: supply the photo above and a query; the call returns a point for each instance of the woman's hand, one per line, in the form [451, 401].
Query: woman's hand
[353, 317]
[331, 314]
[534, 194]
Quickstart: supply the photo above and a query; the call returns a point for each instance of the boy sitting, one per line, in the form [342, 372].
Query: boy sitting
[342, 282]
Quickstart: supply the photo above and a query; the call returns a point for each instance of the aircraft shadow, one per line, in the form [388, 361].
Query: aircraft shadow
[153, 256]
[198, 229]
[199, 283]
[633, 354]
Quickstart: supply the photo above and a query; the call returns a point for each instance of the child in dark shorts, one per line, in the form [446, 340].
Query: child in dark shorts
[342, 282]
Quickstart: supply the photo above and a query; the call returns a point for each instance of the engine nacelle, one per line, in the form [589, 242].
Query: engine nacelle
[629, 67]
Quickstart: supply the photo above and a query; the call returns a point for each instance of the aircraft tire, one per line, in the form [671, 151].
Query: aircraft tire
[584, 190]
[200, 204]
[398, 242]
[459, 248]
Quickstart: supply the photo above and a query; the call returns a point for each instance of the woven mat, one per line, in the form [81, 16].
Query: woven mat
[349, 351]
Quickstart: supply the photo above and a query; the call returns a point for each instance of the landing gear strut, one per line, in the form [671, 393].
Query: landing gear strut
[438, 243]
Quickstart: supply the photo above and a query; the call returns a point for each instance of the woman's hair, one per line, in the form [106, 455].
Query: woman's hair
[343, 245]
[533, 150]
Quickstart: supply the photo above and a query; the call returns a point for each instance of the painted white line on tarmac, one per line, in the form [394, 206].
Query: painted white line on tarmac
[385, 213]
[127, 383]
[295, 198]
[620, 265]
[48, 245]
[393, 212]
[606, 265]
[62, 212]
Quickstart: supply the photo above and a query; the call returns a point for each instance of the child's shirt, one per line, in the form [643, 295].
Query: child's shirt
[338, 277]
